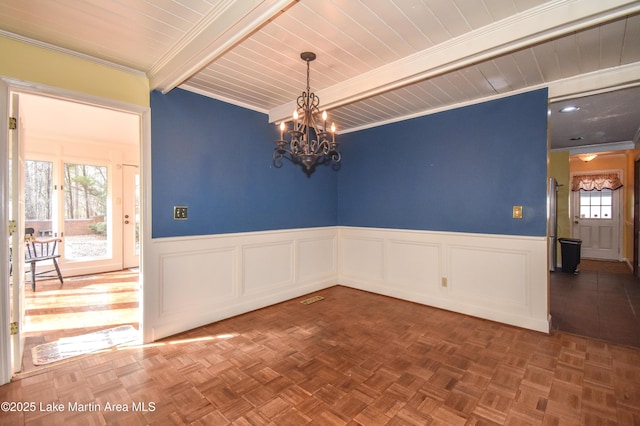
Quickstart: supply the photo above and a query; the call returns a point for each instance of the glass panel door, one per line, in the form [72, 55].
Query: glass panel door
[131, 216]
[39, 200]
[87, 230]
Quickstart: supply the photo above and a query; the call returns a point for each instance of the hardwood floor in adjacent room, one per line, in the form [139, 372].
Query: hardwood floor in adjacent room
[81, 305]
[352, 358]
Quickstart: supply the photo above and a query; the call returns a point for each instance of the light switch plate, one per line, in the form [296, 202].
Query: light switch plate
[180, 213]
[517, 212]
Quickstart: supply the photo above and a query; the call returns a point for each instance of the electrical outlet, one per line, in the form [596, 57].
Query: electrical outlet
[444, 281]
[179, 212]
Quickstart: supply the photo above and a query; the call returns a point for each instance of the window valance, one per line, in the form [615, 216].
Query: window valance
[597, 182]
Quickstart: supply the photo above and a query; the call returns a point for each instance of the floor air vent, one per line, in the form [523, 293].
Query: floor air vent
[311, 300]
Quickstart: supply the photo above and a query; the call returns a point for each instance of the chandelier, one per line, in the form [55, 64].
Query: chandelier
[310, 141]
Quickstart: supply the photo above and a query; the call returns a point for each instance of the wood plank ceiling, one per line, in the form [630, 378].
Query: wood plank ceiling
[378, 61]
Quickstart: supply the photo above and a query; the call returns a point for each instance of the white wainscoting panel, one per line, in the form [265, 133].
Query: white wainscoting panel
[193, 281]
[267, 266]
[409, 275]
[470, 267]
[497, 277]
[361, 257]
[210, 277]
[317, 258]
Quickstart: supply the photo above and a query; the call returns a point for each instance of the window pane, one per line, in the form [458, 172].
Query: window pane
[38, 193]
[85, 210]
[585, 212]
[585, 198]
[596, 204]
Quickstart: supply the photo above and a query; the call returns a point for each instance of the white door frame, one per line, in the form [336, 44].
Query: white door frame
[8, 85]
[17, 240]
[6, 368]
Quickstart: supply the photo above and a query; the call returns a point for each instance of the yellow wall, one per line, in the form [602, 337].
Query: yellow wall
[559, 169]
[26, 62]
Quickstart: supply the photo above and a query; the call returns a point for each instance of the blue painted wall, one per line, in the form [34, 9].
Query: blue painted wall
[459, 170]
[216, 159]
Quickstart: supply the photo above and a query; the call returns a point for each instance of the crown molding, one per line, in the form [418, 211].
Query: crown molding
[69, 52]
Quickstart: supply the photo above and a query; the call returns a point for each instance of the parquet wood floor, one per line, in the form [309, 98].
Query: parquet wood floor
[353, 358]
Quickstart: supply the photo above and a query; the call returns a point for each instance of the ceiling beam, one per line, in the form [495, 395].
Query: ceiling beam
[595, 82]
[548, 21]
[221, 29]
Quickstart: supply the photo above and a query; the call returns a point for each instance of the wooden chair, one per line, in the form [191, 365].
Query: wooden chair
[41, 250]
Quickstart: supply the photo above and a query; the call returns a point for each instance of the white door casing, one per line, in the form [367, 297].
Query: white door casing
[6, 366]
[17, 239]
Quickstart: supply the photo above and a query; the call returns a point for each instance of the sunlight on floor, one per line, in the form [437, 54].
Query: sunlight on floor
[68, 321]
[80, 305]
[179, 341]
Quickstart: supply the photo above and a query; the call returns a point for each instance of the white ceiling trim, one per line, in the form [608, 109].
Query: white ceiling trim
[219, 31]
[225, 99]
[546, 22]
[592, 83]
[602, 147]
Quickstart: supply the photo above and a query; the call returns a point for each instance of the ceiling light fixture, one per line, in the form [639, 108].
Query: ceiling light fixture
[570, 108]
[311, 142]
[587, 157]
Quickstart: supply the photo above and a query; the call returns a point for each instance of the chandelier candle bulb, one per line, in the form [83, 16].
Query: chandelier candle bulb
[282, 130]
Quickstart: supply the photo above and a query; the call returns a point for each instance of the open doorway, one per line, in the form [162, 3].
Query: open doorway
[80, 180]
[596, 206]
[80, 184]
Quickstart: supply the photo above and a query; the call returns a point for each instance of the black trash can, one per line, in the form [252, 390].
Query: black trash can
[570, 248]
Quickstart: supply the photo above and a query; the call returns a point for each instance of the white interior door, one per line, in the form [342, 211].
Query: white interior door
[6, 229]
[131, 216]
[596, 221]
[16, 212]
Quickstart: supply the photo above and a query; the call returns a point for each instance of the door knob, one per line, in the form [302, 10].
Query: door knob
[576, 222]
[127, 222]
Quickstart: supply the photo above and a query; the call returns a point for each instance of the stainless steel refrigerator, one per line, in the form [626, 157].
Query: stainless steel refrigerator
[552, 222]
